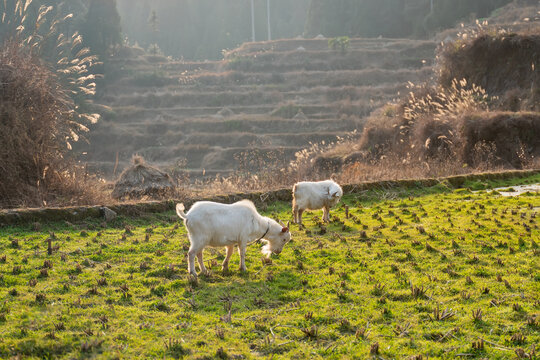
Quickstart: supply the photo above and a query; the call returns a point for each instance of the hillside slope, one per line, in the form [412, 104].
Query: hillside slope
[276, 97]
[481, 112]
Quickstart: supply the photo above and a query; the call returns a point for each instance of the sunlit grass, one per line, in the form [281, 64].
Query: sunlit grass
[433, 272]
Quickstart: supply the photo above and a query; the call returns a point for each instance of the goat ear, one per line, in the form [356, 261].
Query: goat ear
[285, 229]
[334, 194]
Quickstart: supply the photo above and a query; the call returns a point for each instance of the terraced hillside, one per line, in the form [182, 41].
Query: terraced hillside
[275, 96]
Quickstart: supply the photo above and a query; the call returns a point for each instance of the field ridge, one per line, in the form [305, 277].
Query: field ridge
[79, 213]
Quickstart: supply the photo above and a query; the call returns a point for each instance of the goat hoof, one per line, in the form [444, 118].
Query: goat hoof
[192, 279]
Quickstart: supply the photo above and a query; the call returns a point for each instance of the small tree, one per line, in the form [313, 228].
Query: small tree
[153, 22]
[341, 42]
[101, 29]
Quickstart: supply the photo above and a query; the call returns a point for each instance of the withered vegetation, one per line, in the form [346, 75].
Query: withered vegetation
[143, 181]
[40, 118]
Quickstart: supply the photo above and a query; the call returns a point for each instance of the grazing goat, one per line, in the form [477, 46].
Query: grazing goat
[315, 195]
[213, 224]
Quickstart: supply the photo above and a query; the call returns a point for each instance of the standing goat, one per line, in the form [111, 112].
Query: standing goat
[315, 195]
[213, 224]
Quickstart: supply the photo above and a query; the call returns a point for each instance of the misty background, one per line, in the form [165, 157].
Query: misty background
[201, 29]
[232, 120]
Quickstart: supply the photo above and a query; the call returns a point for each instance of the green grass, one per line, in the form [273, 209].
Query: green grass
[406, 270]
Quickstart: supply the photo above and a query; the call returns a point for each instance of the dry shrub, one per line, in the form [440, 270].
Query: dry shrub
[498, 63]
[424, 125]
[320, 160]
[451, 123]
[515, 13]
[37, 125]
[474, 142]
[258, 168]
[438, 131]
[44, 109]
[265, 169]
[505, 139]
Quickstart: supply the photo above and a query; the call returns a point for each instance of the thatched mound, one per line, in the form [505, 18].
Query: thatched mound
[300, 115]
[225, 112]
[142, 180]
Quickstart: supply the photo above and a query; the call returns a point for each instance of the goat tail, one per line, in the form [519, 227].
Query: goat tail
[180, 211]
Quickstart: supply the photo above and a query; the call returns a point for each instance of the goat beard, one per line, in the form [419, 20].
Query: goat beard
[266, 250]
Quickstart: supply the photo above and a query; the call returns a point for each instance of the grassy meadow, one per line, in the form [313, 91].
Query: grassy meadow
[408, 274]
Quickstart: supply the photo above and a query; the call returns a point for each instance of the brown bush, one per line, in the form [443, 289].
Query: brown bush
[451, 123]
[497, 63]
[379, 137]
[509, 139]
[438, 131]
[37, 123]
[473, 141]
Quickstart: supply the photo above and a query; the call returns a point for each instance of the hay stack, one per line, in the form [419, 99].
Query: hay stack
[142, 180]
[300, 115]
[225, 112]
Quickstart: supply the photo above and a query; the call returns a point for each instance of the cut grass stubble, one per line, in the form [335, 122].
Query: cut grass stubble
[370, 283]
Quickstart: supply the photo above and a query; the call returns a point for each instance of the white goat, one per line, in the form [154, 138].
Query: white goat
[315, 195]
[214, 224]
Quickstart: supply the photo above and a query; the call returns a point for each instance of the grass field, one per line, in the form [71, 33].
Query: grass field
[422, 273]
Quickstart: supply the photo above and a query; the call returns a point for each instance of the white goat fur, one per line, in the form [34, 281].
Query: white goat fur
[315, 195]
[214, 224]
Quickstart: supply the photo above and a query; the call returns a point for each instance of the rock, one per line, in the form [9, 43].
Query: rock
[301, 48]
[320, 36]
[108, 214]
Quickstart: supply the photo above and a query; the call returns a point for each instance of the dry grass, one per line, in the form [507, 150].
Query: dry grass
[36, 126]
[498, 63]
[144, 181]
[40, 120]
[518, 11]
[519, 16]
[454, 127]
[435, 131]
